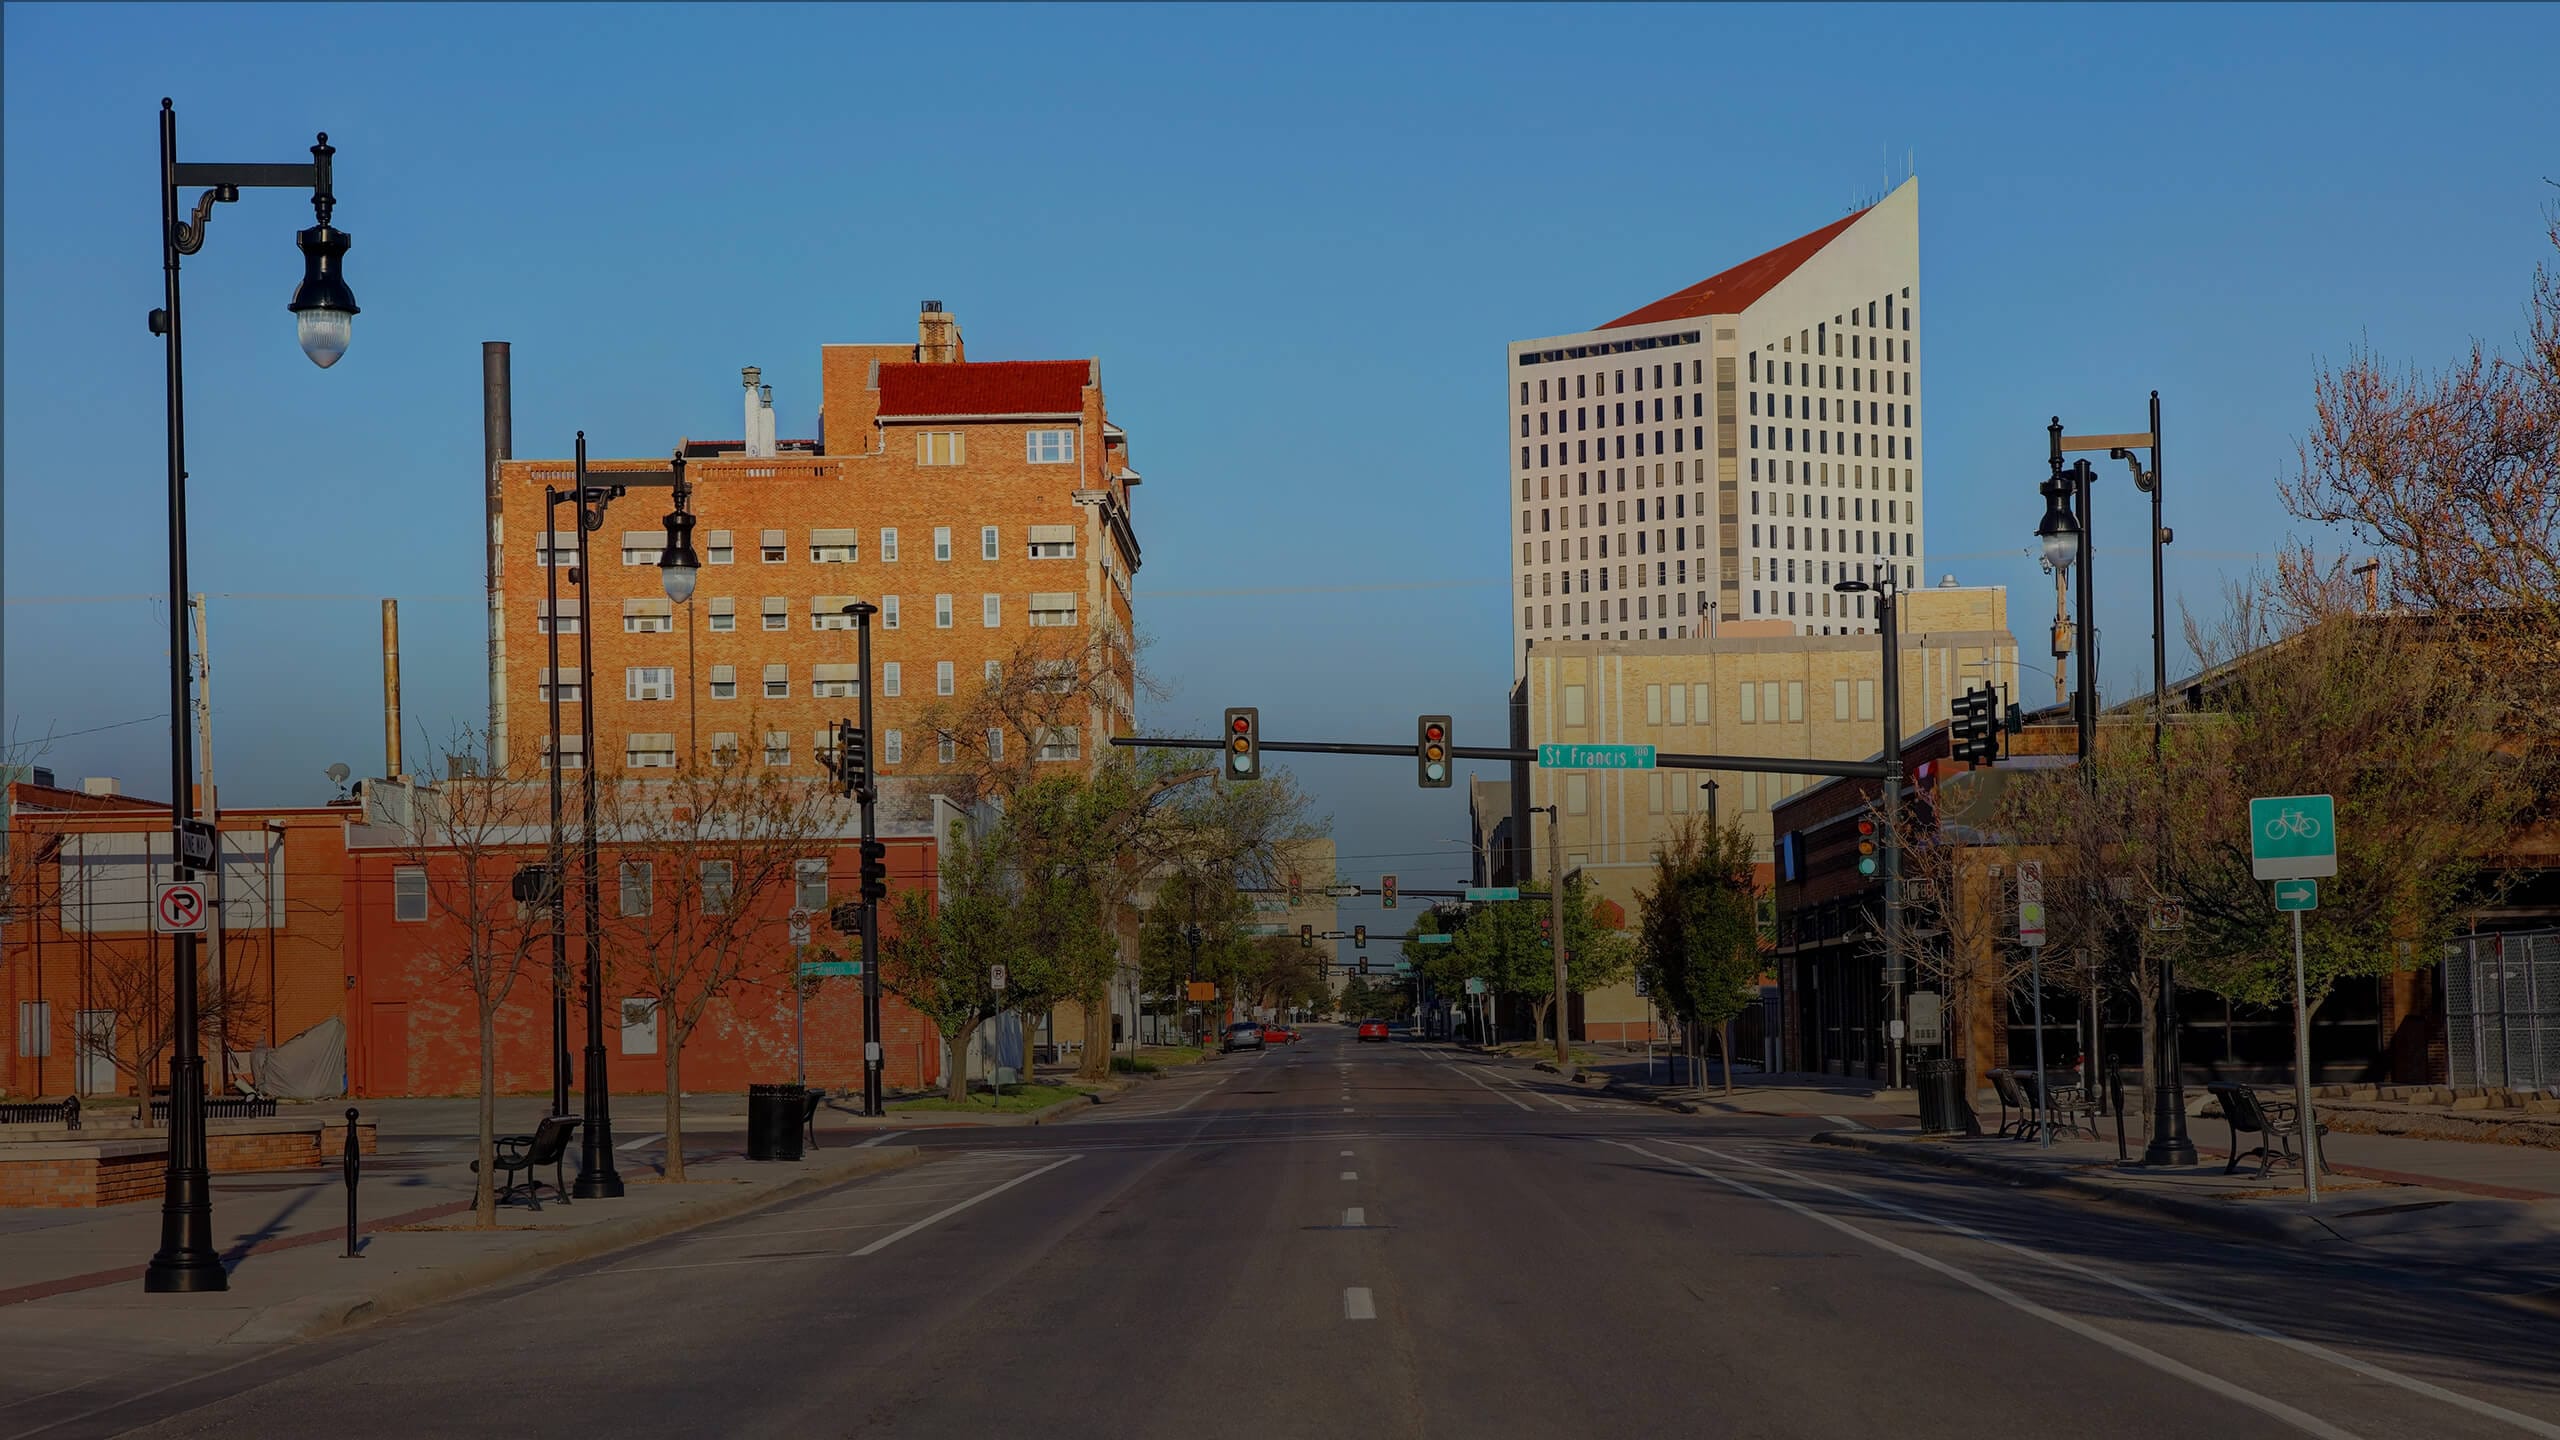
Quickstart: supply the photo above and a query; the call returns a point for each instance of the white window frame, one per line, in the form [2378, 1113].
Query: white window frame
[654, 759]
[893, 748]
[770, 758]
[990, 543]
[991, 611]
[801, 873]
[889, 677]
[946, 749]
[409, 894]
[889, 545]
[942, 447]
[718, 554]
[649, 682]
[716, 893]
[944, 681]
[646, 871]
[942, 542]
[835, 689]
[1055, 619]
[724, 620]
[730, 693]
[573, 692]
[771, 693]
[1048, 447]
[828, 620]
[1053, 550]
[648, 624]
[1061, 743]
[941, 612]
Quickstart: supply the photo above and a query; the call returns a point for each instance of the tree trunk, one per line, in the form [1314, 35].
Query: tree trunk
[1726, 1041]
[956, 1083]
[484, 1193]
[1538, 1009]
[1097, 1039]
[672, 1047]
[2149, 987]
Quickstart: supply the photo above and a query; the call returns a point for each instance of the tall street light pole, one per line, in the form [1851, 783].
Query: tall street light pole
[874, 872]
[1896, 968]
[1555, 923]
[555, 893]
[323, 309]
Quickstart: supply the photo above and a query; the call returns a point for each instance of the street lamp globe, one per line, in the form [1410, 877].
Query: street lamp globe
[324, 309]
[2059, 531]
[678, 566]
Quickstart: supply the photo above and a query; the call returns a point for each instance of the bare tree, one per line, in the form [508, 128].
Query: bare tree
[709, 860]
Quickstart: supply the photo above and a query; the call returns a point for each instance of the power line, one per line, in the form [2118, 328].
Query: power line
[51, 735]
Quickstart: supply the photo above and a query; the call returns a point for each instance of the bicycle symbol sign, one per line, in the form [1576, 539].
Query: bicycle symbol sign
[2293, 837]
[177, 907]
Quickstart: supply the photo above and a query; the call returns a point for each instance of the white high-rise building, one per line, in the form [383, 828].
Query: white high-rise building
[1796, 376]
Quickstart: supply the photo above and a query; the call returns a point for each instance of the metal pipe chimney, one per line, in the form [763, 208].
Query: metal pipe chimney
[391, 689]
[497, 445]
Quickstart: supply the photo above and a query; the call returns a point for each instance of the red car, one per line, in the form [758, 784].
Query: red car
[1279, 1034]
[1373, 1030]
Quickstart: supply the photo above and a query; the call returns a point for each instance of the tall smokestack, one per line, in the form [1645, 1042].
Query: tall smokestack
[497, 445]
[391, 689]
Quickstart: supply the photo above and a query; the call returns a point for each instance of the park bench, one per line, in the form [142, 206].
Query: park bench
[2013, 1097]
[219, 1107]
[2273, 1120]
[809, 1104]
[64, 1112]
[523, 1154]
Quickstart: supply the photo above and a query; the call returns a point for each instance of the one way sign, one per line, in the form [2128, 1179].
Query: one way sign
[177, 907]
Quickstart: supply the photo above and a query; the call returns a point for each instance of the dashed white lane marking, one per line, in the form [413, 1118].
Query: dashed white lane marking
[2300, 1420]
[1844, 1120]
[1357, 1305]
[1346, 1154]
[1354, 1218]
[2202, 1312]
[643, 1140]
[1350, 1174]
[947, 1211]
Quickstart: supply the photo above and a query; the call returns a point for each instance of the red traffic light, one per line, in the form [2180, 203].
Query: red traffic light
[1240, 724]
[1866, 827]
[1434, 732]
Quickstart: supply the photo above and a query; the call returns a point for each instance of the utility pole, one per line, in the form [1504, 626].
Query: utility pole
[1555, 923]
[220, 940]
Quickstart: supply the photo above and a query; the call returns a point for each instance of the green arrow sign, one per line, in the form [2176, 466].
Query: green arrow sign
[812, 969]
[2293, 837]
[1595, 757]
[1435, 939]
[1493, 892]
[2297, 895]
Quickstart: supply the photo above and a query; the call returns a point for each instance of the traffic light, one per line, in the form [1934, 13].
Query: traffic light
[1387, 891]
[1546, 927]
[1297, 893]
[855, 753]
[1244, 744]
[1431, 751]
[875, 870]
[1306, 937]
[1975, 727]
[1360, 940]
[1364, 969]
[1866, 847]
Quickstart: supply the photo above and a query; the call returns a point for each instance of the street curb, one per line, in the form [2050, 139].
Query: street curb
[1637, 1090]
[315, 1316]
[2218, 1215]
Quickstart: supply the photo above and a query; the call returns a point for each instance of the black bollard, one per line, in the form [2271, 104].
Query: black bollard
[353, 1167]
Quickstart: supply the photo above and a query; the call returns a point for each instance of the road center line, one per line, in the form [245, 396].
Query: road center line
[2365, 1368]
[2299, 1419]
[946, 1212]
[1357, 1304]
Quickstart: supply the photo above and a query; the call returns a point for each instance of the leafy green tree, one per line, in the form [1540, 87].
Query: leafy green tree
[1698, 942]
[937, 958]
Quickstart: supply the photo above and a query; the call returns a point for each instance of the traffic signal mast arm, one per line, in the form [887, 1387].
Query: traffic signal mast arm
[1662, 760]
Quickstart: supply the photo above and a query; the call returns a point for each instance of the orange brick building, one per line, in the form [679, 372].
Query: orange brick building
[974, 502]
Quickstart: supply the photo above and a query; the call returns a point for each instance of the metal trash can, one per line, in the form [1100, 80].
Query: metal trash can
[1942, 1107]
[773, 1121]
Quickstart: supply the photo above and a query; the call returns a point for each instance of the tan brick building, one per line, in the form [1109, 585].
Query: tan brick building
[984, 506]
[1754, 689]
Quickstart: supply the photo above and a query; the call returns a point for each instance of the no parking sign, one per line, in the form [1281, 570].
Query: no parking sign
[177, 907]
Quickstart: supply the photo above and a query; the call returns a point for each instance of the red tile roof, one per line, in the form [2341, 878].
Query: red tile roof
[1732, 291]
[991, 387]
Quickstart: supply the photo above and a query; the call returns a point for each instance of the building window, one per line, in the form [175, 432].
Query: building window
[888, 612]
[637, 883]
[1061, 743]
[642, 547]
[1049, 447]
[724, 747]
[1053, 549]
[1795, 702]
[888, 546]
[569, 686]
[568, 621]
[724, 614]
[777, 747]
[834, 547]
[649, 682]
[573, 752]
[942, 447]
[941, 612]
[1574, 705]
[409, 893]
[944, 682]
[809, 885]
[893, 748]
[1577, 793]
[718, 880]
[987, 543]
[1866, 699]
[777, 613]
[995, 744]
[724, 682]
[719, 549]
[773, 548]
[991, 610]
[827, 612]
[942, 542]
[777, 682]
[889, 675]
[650, 752]
[1839, 699]
[1053, 609]
[834, 682]
[660, 617]
[946, 749]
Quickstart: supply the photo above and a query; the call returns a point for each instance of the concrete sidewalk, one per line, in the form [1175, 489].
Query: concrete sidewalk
[1783, 1095]
[2405, 1201]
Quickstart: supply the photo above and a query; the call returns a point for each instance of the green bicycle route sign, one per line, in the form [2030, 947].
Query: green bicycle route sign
[2293, 837]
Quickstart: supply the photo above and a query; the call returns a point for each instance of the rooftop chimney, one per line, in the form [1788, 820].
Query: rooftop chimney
[100, 785]
[938, 337]
[760, 431]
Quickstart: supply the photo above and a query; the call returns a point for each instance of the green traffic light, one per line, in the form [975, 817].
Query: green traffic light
[1867, 865]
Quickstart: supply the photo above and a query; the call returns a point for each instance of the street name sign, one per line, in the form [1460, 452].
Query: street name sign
[1475, 987]
[2293, 837]
[177, 907]
[2031, 902]
[1435, 939]
[2297, 895]
[1595, 757]
[814, 969]
[1493, 892]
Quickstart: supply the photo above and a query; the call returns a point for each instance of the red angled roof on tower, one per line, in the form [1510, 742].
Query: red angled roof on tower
[988, 387]
[1732, 291]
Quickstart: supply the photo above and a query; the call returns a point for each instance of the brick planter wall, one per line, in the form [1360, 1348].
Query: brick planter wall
[85, 1174]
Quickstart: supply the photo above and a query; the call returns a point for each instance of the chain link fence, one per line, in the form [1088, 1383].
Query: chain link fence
[2502, 1011]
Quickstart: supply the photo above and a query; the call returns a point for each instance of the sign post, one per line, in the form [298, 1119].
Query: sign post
[995, 982]
[2293, 840]
[2031, 935]
[799, 997]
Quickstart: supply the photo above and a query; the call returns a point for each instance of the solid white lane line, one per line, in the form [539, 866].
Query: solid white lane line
[799, 1230]
[643, 1140]
[2365, 1368]
[882, 1138]
[1354, 1218]
[2299, 1419]
[1350, 1174]
[947, 1211]
[1356, 1304]
[1514, 1099]
[1844, 1120]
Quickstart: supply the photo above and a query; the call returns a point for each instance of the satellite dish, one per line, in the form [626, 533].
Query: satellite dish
[338, 773]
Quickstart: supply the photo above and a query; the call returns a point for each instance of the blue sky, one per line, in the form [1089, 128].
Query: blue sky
[1297, 238]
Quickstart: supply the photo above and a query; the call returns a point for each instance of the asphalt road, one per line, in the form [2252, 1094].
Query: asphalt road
[1343, 1240]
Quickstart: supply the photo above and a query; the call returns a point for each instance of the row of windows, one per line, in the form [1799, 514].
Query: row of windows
[1580, 452]
[1665, 572]
[715, 888]
[1835, 442]
[1820, 538]
[1852, 507]
[1580, 482]
[1696, 375]
[1881, 313]
[1039, 447]
[1640, 607]
[657, 751]
[1580, 416]
[827, 546]
[826, 612]
[1820, 473]
[1818, 407]
[826, 681]
[1610, 347]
